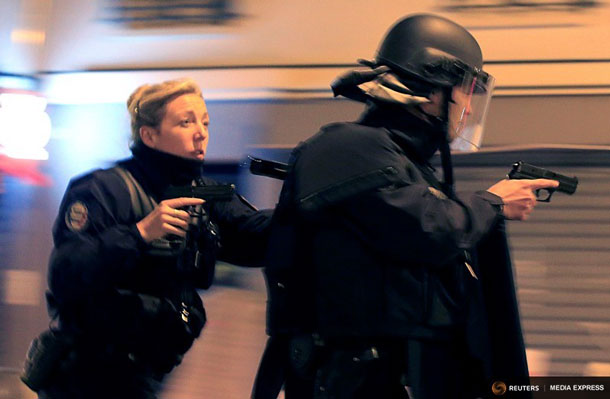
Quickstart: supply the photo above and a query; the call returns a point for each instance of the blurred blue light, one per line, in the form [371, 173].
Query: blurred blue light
[18, 82]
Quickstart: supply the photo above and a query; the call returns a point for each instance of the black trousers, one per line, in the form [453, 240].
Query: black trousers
[444, 370]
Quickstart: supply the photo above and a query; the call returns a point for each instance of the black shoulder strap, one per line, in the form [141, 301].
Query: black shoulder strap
[141, 203]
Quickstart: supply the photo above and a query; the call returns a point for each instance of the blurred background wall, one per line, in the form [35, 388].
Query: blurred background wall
[265, 67]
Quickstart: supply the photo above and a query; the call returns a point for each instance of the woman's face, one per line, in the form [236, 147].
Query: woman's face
[183, 131]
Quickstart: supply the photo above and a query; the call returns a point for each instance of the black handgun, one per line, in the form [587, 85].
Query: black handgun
[522, 170]
[221, 192]
[197, 252]
[263, 167]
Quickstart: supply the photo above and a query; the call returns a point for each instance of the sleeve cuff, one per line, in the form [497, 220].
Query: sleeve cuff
[494, 200]
[141, 244]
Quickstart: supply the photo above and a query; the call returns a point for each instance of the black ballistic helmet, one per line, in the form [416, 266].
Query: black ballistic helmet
[431, 49]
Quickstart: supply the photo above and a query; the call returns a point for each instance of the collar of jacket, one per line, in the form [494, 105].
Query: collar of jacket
[161, 170]
[418, 138]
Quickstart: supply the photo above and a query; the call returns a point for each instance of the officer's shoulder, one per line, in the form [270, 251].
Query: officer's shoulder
[349, 136]
[83, 180]
[97, 178]
[353, 131]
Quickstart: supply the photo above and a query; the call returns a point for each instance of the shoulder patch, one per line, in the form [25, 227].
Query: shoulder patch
[437, 193]
[77, 216]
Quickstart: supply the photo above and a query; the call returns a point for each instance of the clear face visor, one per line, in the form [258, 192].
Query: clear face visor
[468, 110]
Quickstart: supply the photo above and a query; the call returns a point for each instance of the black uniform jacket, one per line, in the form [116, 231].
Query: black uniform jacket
[105, 285]
[365, 244]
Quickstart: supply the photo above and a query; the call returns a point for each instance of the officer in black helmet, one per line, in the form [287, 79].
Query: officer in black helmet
[383, 283]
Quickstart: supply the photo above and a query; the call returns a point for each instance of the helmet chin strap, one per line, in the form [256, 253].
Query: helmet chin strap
[447, 164]
[448, 183]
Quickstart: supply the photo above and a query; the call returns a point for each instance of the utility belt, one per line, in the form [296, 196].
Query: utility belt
[307, 350]
[311, 357]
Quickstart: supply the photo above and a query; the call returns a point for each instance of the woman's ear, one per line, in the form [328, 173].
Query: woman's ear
[148, 135]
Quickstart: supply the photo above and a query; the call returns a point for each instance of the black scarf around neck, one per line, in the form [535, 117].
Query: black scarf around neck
[418, 138]
[161, 170]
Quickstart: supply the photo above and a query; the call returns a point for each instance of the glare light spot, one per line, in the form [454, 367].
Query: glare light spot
[25, 127]
[20, 101]
[28, 36]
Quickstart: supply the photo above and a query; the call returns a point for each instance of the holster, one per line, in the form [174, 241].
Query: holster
[44, 357]
[343, 370]
[166, 332]
[303, 352]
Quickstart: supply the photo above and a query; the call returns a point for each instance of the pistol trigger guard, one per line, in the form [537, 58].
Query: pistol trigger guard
[546, 199]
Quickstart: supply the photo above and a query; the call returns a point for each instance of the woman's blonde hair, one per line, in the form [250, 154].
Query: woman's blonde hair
[146, 105]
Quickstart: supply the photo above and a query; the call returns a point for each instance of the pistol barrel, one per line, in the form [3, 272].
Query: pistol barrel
[522, 170]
